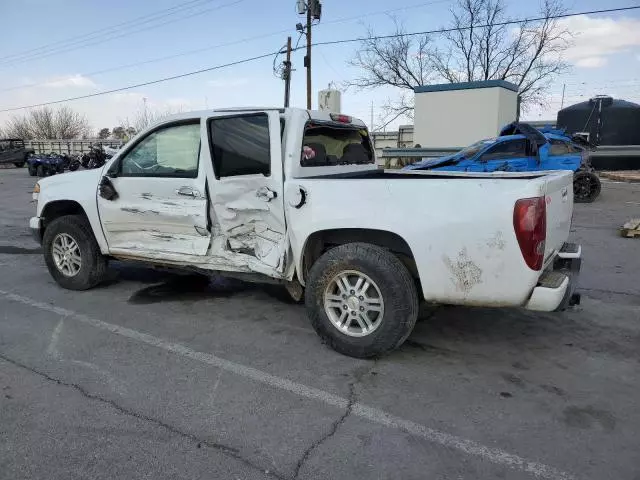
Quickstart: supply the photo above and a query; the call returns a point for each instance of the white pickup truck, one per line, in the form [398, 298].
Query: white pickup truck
[295, 197]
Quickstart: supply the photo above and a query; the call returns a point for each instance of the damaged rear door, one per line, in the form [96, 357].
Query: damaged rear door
[152, 200]
[246, 193]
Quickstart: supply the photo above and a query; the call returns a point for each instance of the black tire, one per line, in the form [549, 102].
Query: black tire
[19, 164]
[93, 266]
[396, 286]
[74, 165]
[586, 187]
[32, 170]
[41, 171]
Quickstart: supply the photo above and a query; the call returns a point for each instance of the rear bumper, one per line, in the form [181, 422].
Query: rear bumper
[35, 225]
[556, 287]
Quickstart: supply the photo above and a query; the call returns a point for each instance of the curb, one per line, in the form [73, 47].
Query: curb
[629, 177]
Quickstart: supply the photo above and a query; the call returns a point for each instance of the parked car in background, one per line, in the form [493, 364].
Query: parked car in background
[522, 148]
[294, 197]
[13, 150]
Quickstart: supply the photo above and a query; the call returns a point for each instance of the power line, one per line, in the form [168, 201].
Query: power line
[469, 27]
[144, 84]
[204, 49]
[108, 36]
[154, 60]
[387, 11]
[333, 42]
[108, 28]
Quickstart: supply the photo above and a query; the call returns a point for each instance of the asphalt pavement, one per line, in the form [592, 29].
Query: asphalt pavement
[157, 375]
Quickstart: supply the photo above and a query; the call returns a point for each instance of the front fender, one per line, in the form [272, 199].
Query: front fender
[79, 187]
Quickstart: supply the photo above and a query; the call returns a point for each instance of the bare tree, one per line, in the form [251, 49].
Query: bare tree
[478, 45]
[144, 118]
[47, 123]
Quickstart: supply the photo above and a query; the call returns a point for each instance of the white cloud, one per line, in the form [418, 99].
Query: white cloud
[66, 81]
[597, 38]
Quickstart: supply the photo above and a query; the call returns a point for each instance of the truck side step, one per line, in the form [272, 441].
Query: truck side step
[551, 279]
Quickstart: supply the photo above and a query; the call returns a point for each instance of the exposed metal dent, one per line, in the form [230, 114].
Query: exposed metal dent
[248, 227]
[466, 274]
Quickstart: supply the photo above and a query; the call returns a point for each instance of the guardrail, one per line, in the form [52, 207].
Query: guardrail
[70, 146]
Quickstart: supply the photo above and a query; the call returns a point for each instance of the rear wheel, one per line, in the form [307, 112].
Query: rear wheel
[72, 254]
[586, 187]
[362, 300]
[19, 164]
[41, 171]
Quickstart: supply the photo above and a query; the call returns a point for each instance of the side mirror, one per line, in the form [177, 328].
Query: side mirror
[106, 189]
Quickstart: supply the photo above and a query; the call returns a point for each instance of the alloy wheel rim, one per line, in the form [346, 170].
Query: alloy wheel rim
[353, 303]
[66, 254]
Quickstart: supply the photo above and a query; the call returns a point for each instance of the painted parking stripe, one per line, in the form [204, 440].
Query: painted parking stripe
[372, 414]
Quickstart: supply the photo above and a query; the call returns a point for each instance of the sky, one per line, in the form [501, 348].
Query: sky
[604, 57]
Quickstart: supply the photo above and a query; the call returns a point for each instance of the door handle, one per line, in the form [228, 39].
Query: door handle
[266, 194]
[188, 192]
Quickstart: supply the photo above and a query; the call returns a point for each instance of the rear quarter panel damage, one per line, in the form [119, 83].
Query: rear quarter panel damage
[460, 230]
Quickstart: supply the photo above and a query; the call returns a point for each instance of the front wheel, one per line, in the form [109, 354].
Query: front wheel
[32, 170]
[19, 164]
[72, 254]
[361, 299]
[41, 171]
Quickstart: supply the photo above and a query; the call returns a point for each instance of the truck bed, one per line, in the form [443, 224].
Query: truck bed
[459, 226]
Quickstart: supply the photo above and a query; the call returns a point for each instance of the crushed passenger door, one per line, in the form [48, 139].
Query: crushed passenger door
[247, 192]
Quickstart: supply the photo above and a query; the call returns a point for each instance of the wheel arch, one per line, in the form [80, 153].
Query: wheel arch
[323, 240]
[59, 208]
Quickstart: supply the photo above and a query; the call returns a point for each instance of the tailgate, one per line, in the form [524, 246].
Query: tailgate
[559, 200]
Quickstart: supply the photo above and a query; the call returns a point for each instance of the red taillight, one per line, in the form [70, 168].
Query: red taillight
[530, 225]
[340, 118]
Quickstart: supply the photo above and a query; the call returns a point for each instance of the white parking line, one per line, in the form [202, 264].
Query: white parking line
[372, 414]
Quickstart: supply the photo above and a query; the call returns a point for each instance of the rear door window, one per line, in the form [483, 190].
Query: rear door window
[241, 145]
[329, 144]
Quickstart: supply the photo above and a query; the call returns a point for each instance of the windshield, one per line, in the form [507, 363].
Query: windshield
[333, 144]
[474, 148]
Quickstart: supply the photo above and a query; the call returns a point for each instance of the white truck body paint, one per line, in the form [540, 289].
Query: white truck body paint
[460, 230]
[80, 187]
[458, 226]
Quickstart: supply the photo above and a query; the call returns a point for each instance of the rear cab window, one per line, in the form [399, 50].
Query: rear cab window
[331, 143]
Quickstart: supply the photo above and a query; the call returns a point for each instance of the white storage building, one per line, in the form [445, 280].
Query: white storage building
[458, 114]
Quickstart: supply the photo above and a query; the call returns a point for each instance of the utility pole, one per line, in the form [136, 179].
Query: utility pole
[564, 85]
[287, 75]
[313, 10]
[307, 59]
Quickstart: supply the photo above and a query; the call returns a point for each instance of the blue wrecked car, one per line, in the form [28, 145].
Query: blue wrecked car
[522, 148]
